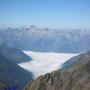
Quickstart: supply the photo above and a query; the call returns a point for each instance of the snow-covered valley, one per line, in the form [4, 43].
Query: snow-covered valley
[43, 62]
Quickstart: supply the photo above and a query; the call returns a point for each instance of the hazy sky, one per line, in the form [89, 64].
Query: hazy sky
[45, 13]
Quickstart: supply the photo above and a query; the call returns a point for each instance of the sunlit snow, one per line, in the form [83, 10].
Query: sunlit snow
[43, 63]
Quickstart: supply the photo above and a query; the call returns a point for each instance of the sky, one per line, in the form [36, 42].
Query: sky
[45, 13]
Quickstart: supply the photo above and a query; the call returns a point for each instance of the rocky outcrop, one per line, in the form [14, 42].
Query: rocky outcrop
[76, 77]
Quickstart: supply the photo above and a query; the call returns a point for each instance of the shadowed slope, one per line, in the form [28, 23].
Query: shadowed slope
[13, 54]
[11, 75]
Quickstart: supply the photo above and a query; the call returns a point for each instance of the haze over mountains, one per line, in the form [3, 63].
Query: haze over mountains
[41, 46]
[46, 40]
[44, 44]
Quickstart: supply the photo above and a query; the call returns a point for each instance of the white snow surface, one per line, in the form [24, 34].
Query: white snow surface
[43, 62]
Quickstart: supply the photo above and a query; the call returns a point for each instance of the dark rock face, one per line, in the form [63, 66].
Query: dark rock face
[76, 77]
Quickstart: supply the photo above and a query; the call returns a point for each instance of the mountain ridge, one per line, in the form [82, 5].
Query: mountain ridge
[13, 54]
[47, 40]
[76, 77]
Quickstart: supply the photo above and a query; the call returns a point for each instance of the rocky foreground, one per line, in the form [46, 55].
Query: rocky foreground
[75, 76]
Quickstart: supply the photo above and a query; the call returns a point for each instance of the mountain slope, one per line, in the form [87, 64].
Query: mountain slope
[46, 40]
[74, 77]
[11, 75]
[13, 54]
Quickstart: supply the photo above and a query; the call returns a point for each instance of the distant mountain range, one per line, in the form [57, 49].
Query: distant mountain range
[46, 40]
[75, 73]
[73, 76]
